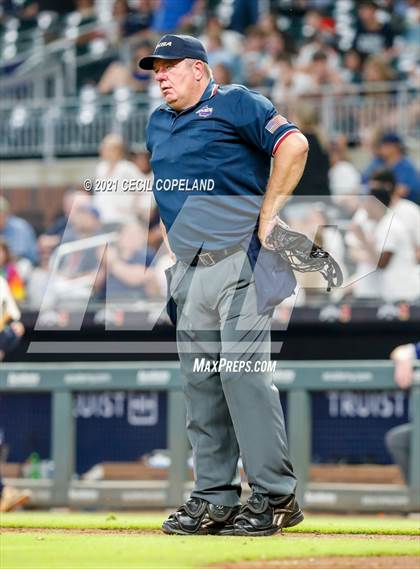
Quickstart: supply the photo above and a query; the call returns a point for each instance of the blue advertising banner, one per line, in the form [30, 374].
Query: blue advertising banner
[348, 426]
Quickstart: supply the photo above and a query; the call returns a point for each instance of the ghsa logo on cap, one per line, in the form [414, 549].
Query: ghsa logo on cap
[171, 46]
[164, 44]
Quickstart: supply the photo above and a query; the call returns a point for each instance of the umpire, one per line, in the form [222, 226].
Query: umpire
[211, 148]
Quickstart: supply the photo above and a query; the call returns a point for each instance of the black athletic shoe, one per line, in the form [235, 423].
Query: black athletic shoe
[220, 517]
[262, 515]
[287, 512]
[198, 517]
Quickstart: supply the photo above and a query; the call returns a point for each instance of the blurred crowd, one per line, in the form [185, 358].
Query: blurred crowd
[291, 51]
[285, 48]
[101, 244]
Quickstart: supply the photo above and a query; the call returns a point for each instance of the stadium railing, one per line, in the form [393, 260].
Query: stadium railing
[31, 77]
[78, 246]
[298, 379]
[75, 126]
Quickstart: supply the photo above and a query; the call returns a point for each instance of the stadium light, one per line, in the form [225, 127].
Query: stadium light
[123, 111]
[18, 117]
[71, 33]
[87, 114]
[88, 107]
[88, 94]
[73, 19]
[9, 51]
[122, 94]
[45, 19]
[97, 46]
[11, 36]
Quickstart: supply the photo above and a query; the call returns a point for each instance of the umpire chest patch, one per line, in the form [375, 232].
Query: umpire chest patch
[204, 112]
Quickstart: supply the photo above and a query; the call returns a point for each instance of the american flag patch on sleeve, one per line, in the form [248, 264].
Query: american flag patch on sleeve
[276, 122]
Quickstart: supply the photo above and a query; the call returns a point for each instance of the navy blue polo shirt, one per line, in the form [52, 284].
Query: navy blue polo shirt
[211, 165]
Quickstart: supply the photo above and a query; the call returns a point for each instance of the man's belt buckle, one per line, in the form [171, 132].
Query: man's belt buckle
[207, 259]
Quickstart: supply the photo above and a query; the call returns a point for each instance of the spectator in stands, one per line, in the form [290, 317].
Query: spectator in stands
[11, 333]
[39, 279]
[344, 177]
[256, 60]
[74, 279]
[398, 439]
[124, 274]
[85, 223]
[53, 236]
[267, 22]
[10, 498]
[276, 44]
[411, 15]
[20, 238]
[84, 15]
[118, 206]
[10, 273]
[222, 74]
[169, 16]
[372, 36]
[146, 209]
[244, 14]
[70, 227]
[365, 277]
[220, 54]
[352, 67]
[118, 75]
[132, 19]
[322, 74]
[318, 43]
[216, 37]
[316, 22]
[11, 329]
[388, 150]
[314, 181]
[407, 212]
[371, 142]
[289, 82]
[376, 70]
[398, 273]
[86, 9]
[143, 203]
[391, 151]
[141, 158]
[28, 15]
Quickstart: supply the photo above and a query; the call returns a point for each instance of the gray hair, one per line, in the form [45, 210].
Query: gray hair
[207, 69]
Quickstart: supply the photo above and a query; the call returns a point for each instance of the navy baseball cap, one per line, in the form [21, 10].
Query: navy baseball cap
[392, 138]
[172, 46]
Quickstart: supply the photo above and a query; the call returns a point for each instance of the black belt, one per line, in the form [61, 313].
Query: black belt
[210, 258]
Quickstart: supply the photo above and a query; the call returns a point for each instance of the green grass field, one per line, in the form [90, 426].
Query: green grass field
[124, 547]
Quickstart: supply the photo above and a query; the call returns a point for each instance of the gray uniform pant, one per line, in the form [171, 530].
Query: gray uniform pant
[230, 411]
[398, 442]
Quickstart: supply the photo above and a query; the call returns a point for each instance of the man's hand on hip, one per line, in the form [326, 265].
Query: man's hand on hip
[265, 227]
